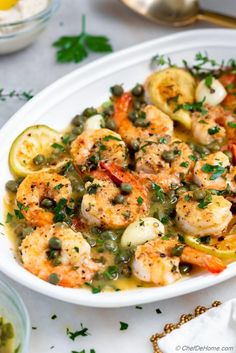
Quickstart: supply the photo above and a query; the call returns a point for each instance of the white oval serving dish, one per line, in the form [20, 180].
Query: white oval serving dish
[89, 85]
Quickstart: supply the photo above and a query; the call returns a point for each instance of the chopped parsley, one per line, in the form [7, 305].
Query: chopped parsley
[158, 311]
[94, 289]
[205, 202]
[140, 200]
[192, 157]
[92, 189]
[138, 307]
[216, 170]
[111, 137]
[9, 217]
[187, 197]
[111, 272]
[206, 239]
[58, 187]
[73, 335]
[123, 326]
[232, 124]
[208, 81]
[54, 317]
[213, 130]
[76, 248]
[194, 107]
[58, 147]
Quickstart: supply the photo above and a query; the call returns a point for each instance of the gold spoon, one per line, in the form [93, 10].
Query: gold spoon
[178, 12]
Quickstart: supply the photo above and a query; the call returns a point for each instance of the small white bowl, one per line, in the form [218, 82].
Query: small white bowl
[20, 34]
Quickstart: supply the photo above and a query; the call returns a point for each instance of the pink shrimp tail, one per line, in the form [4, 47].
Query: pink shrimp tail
[214, 265]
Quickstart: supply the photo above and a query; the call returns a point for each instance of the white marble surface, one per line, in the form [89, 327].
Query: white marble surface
[35, 68]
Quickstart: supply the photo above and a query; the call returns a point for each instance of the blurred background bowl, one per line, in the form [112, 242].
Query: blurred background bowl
[18, 35]
[13, 310]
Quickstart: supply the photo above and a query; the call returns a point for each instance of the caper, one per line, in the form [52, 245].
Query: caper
[110, 124]
[135, 145]
[199, 194]
[109, 234]
[117, 90]
[193, 187]
[12, 185]
[126, 188]
[133, 115]
[177, 250]
[47, 203]
[53, 278]
[110, 245]
[56, 261]
[96, 230]
[213, 146]
[181, 190]
[119, 199]
[141, 122]
[27, 231]
[55, 243]
[168, 156]
[185, 269]
[123, 257]
[109, 111]
[137, 105]
[125, 270]
[77, 130]
[138, 90]
[202, 149]
[78, 188]
[39, 159]
[78, 120]
[88, 112]
[229, 155]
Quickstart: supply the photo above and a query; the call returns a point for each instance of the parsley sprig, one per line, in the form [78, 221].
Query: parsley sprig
[216, 170]
[77, 48]
[21, 95]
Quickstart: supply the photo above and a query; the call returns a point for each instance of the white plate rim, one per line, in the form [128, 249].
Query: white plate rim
[112, 63]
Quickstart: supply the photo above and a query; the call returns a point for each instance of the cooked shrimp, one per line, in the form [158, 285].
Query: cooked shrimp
[154, 262]
[164, 163]
[74, 265]
[99, 206]
[94, 145]
[36, 187]
[158, 123]
[210, 217]
[205, 128]
[231, 179]
[210, 172]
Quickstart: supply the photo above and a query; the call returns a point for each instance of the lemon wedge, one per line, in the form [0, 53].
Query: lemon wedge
[7, 4]
[224, 249]
[35, 140]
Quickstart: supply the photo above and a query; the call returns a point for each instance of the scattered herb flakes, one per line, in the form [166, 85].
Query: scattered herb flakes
[165, 220]
[111, 272]
[192, 157]
[194, 107]
[58, 147]
[76, 248]
[208, 81]
[232, 124]
[206, 239]
[123, 326]
[65, 139]
[24, 95]
[58, 187]
[158, 311]
[34, 328]
[54, 317]
[216, 170]
[213, 130]
[73, 335]
[111, 137]
[140, 200]
[158, 192]
[184, 164]
[205, 202]
[94, 289]
[138, 307]
[9, 217]
[187, 197]
[77, 48]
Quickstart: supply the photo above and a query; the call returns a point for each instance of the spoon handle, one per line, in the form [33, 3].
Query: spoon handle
[217, 18]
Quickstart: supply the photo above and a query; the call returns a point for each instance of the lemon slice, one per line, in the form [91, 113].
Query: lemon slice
[7, 4]
[224, 249]
[37, 139]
